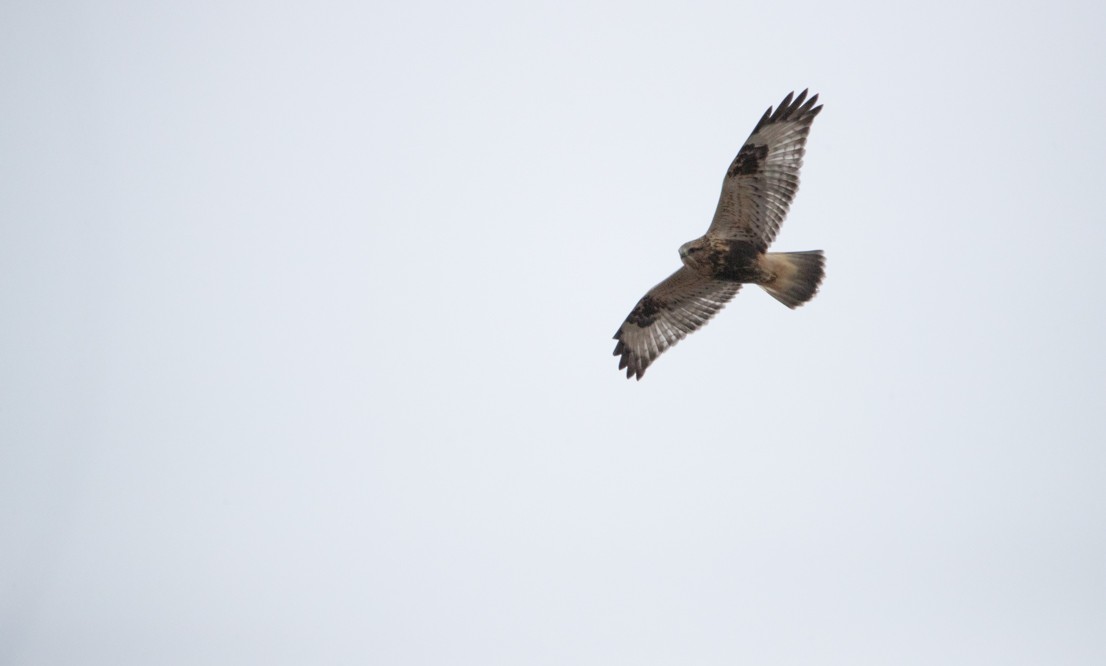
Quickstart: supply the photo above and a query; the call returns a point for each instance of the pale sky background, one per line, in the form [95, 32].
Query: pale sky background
[305, 351]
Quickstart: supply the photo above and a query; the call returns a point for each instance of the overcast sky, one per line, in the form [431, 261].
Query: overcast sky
[305, 349]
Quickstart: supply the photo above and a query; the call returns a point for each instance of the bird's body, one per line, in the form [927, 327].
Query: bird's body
[724, 259]
[756, 194]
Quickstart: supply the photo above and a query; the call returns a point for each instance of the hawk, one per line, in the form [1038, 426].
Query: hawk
[756, 194]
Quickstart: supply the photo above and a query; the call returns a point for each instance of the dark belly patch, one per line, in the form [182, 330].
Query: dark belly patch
[737, 262]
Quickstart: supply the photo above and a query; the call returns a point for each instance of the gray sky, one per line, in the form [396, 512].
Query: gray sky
[306, 356]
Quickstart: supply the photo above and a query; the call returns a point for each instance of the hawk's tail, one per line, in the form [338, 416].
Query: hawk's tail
[795, 276]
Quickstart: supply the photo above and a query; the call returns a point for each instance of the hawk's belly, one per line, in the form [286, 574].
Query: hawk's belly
[736, 262]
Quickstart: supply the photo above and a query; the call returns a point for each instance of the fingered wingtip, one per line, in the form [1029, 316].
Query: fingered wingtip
[791, 108]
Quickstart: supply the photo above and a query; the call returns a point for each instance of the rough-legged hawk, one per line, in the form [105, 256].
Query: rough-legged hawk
[756, 194]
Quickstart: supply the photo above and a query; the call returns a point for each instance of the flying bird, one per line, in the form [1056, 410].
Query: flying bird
[756, 193]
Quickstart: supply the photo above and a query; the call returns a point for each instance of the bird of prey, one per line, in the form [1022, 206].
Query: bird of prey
[756, 194]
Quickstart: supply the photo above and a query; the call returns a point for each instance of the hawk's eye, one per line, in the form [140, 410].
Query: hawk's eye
[692, 250]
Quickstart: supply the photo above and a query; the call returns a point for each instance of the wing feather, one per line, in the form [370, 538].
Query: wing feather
[762, 180]
[679, 305]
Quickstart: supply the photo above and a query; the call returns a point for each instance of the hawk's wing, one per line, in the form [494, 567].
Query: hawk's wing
[683, 302]
[763, 178]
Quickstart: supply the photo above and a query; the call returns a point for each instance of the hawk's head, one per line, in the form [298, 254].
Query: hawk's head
[694, 253]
